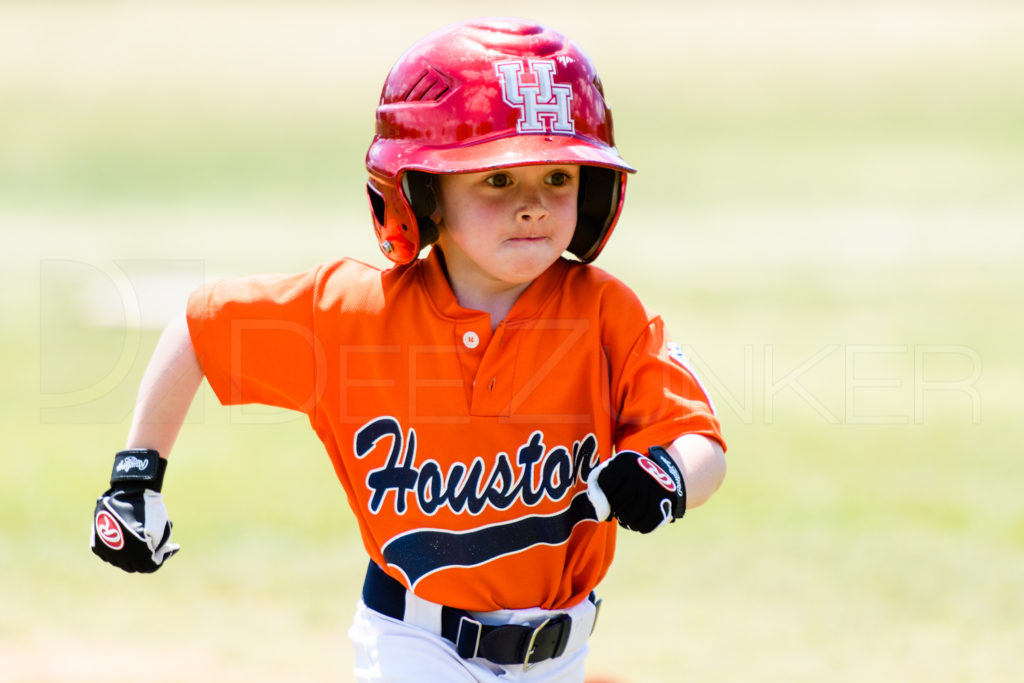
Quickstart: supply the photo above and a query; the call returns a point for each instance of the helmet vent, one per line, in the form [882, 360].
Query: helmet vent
[431, 86]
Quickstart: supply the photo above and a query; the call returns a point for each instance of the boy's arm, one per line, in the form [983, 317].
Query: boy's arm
[130, 527]
[168, 387]
[702, 463]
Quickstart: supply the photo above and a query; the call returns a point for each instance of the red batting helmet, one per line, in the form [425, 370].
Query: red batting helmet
[484, 94]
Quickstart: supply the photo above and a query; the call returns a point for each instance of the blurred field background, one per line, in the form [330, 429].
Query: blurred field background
[828, 213]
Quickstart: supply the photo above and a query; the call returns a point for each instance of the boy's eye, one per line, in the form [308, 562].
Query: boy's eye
[559, 178]
[499, 180]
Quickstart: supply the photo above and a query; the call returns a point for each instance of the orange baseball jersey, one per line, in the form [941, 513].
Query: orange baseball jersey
[464, 452]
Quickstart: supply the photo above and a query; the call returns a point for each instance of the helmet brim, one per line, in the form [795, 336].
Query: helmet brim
[390, 156]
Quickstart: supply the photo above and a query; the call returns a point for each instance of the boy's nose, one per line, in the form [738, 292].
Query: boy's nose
[531, 206]
[533, 214]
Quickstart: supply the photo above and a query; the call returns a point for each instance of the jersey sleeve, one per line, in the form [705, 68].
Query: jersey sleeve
[659, 397]
[255, 339]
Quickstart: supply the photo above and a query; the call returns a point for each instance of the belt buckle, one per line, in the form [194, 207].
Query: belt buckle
[527, 665]
[564, 622]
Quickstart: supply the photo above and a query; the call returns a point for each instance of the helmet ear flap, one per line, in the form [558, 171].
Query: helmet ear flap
[418, 187]
[600, 200]
[393, 220]
[401, 217]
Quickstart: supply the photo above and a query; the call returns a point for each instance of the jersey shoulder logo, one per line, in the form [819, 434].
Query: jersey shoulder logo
[675, 352]
[543, 104]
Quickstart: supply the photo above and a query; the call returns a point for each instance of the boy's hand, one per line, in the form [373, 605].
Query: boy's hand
[130, 528]
[641, 491]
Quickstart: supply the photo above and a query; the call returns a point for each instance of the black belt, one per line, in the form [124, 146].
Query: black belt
[506, 644]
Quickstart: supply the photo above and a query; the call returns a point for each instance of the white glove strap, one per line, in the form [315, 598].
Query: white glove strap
[597, 498]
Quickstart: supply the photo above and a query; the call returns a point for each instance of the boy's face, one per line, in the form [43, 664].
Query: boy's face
[506, 226]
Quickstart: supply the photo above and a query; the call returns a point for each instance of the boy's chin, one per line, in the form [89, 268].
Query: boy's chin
[522, 271]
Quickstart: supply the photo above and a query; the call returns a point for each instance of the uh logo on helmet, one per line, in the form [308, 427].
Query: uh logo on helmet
[487, 94]
[544, 105]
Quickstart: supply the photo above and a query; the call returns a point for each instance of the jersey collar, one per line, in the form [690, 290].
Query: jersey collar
[527, 306]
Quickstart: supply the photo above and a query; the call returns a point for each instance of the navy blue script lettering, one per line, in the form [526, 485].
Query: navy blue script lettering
[538, 472]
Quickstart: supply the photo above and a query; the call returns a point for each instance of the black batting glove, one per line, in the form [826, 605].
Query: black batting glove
[130, 528]
[641, 491]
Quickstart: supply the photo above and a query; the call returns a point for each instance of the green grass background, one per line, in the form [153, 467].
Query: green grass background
[828, 213]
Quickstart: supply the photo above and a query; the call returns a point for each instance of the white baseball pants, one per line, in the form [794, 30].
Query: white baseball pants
[412, 651]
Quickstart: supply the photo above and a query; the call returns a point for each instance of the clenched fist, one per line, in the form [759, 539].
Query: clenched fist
[641, 491]
[130, 528]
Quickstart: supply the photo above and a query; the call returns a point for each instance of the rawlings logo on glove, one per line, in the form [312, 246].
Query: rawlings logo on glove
[659, 474]
[642, 492]
[126, 464]
[108, 530]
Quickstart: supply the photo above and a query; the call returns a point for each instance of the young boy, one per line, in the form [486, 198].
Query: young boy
[488, 408]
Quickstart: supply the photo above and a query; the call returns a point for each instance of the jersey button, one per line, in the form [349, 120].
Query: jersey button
[471, 340]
